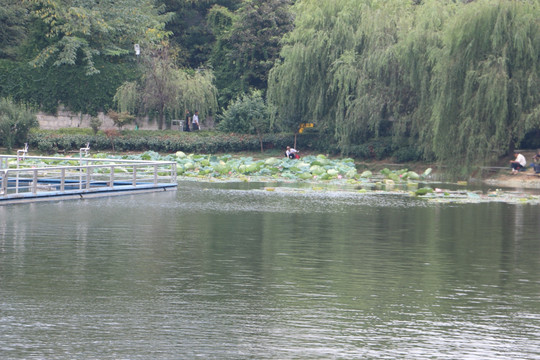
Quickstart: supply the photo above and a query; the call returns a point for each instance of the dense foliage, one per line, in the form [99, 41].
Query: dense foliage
[87, 28]
[46, 141]
[16, 120]
[165, 89]
[452, 81]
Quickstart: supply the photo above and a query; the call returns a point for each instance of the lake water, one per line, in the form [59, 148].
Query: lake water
[233, 271]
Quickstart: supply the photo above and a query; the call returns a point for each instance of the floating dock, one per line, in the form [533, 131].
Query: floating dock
[40, 178]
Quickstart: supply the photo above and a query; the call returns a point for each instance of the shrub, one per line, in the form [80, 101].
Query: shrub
[15, 122]
[95, 124]
[407, 154]
[47, 141]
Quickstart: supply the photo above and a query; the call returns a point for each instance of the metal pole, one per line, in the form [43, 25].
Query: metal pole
[134, 175]
[4, 183]
[111, 179]
[17, 177]
[34, 182]
[155, 175]
[88, 178]
[62, 180]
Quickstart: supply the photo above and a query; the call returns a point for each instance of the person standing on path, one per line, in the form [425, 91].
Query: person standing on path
[188, 119]
[196, 121]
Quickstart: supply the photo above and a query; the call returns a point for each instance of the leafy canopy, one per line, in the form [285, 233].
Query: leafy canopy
[89, 28]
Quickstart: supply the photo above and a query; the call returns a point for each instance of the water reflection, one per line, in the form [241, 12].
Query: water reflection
[236, 271]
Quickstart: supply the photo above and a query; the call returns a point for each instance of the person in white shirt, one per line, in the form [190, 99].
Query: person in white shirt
[195, 121]
[291, 153]
[518, 163]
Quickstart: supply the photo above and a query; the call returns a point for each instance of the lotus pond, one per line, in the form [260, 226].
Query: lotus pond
[320, 173]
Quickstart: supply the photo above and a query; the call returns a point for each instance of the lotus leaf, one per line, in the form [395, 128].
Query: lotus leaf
[366, 174]
[332, 172]
[393, 176]
[351, 173]
[253, 168]
[221, 168]
[423, 191]
[317, 170]
[180, 154]
[271, 161]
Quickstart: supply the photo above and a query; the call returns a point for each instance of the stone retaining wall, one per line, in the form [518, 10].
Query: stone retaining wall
[67, 119]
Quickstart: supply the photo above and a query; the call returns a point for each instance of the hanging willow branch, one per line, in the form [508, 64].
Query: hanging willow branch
[484, 103]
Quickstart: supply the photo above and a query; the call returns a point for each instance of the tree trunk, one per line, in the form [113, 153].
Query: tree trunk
[260, 140]
[160, 119]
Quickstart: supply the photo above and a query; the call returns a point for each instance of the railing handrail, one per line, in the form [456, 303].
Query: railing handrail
[86, 159]
[74, 167]
[139, 173]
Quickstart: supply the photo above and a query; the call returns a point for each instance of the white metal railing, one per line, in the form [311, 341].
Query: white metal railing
[38, 174]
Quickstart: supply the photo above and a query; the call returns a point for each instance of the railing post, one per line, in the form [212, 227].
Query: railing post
[34, 181]
[111, 178]
[88, 176]
[155, 174]
[80, 175]
[173, 172]
[4, 182]
[62, 180]
[134, 183]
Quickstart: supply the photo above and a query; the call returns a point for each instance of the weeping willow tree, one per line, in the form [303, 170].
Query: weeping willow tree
[299, 84]
[418, 51]
[458, 81]
[368, 79]
[196, 91]
[340, 69]
[167, 90]
[486, 82]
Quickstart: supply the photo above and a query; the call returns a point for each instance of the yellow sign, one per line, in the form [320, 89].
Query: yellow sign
[303, 126]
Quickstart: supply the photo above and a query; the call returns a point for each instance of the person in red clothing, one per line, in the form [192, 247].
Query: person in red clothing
[292, 153]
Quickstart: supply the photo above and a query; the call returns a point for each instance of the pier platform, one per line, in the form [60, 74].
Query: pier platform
[39, 178]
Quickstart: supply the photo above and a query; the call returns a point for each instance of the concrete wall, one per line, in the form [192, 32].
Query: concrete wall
[67, 119]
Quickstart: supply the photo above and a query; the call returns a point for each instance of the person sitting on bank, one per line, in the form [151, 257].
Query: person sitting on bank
[292, 153]
[518, 163]
[536, 162]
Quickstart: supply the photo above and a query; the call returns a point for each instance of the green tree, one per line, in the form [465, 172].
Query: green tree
[248, 114]
[300, 84]
[13, 22]
[15, 122]
[89, 28]
[165, 89]
[486, 82]
[247, 48]
[191, 34]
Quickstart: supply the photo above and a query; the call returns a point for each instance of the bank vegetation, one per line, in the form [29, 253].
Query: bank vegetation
[452, 82]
